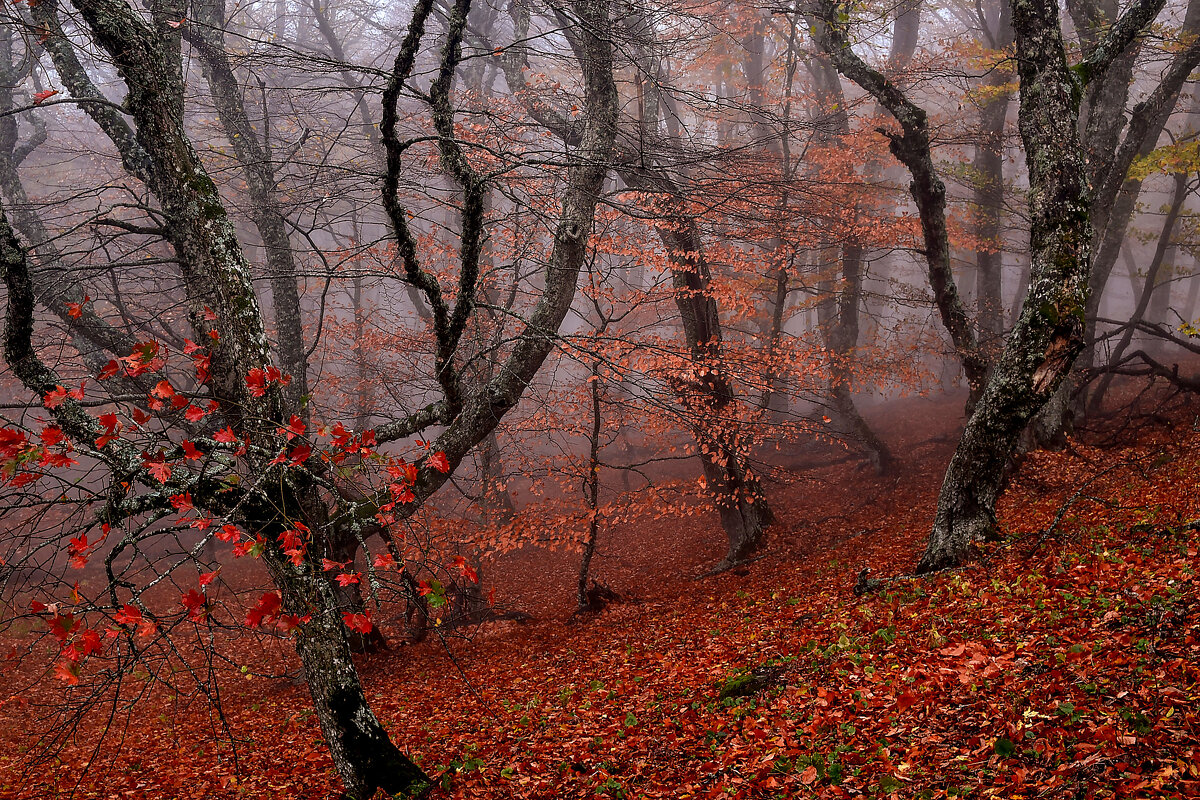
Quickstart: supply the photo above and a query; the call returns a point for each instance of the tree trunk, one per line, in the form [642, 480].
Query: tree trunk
[708, 395]
[1049, 332]
[838, 315]
[593, 493]
[913, 148]
[1151, 287]
[363, 755]
[989, 195]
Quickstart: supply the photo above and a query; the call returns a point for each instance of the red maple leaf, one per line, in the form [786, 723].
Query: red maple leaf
[182, 502]
[439, 462]
[295, 427]
[51, 435]
[299, 455]
[128, 615]
[195, 604]
[43, 96]
[268, 607]
[157, 467]
[67, 671]
[359, 623]
[55, 398]
[256, 382]
[466, 570]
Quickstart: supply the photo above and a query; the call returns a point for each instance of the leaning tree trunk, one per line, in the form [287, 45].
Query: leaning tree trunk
[913, 148]
[1049, 333]
[363, 754]
[1151, 285]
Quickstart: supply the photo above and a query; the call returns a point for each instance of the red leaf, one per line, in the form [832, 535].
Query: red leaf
[128, 615]
[359, 623]
[256, 382]
[268, 607]
[299, 455]
[55, 398]
[67, 671]
[195, 604]
[41, 97]
[295, 427]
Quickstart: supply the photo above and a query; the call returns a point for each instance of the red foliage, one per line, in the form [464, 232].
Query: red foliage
[1063, 665]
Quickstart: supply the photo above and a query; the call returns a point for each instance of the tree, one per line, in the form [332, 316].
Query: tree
[235, 455]
[1050, 331]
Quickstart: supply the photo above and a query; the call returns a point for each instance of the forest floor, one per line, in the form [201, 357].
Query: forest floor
[1065, 664]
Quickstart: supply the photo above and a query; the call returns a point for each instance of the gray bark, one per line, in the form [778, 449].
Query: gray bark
[1050, 330]
[912, 147]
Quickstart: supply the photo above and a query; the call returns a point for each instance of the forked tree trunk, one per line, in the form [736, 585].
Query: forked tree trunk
[1049, 333]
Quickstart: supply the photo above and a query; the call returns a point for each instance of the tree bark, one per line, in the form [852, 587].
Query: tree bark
[912, 147]
[1049, 332]
[1149, 289]
[362, 752]
[989, 191]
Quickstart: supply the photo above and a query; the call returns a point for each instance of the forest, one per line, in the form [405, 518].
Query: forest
[599, 399]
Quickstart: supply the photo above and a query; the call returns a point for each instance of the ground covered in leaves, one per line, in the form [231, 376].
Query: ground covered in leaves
[1064, 664]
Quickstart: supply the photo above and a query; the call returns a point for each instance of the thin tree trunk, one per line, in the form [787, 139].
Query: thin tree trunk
[593, 493]
[989, 195]
[1148, 290]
